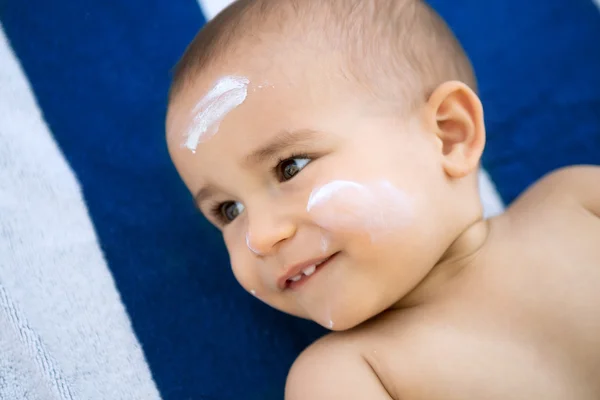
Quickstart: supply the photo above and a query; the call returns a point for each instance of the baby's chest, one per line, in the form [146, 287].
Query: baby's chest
[539, 338]
[452, 362]
[551, 272]
[553, 293]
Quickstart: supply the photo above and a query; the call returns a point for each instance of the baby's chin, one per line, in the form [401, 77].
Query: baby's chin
[343, 323]
[338, 320]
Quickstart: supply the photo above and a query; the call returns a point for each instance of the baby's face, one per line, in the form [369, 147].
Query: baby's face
[330, 205]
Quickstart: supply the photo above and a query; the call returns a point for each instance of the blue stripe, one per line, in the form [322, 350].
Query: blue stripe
[538, 64]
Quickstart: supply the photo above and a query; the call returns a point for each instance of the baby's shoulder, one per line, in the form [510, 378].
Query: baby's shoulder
[561, 193]
[559, 214]
[335, 367]
[368, 362]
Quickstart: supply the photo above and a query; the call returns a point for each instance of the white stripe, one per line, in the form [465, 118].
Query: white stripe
[492, 203]
[62, 318]
[212, 7]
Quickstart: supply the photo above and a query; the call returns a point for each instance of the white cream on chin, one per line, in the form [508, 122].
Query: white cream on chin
[226, 95]
[374, 208]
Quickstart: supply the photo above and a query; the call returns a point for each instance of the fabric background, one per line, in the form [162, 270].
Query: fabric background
[111, 285]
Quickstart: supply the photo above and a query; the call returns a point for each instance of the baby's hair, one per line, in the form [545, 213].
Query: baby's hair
[399, 50]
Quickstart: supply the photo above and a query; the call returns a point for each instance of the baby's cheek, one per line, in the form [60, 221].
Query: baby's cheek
[375, 209]
[238, 272]
[242, 270]
[249, 271]
[345, 213]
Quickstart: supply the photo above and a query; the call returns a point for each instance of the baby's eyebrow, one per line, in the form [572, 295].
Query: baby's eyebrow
[280, 142]
[203, 194]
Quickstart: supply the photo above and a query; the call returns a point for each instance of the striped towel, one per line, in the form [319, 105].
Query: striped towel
[111, 285]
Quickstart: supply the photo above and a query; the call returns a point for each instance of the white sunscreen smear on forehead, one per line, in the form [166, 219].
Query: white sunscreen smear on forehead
[350, 206]
[227, 94]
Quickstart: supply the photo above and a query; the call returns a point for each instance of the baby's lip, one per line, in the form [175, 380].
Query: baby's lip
[306, 268]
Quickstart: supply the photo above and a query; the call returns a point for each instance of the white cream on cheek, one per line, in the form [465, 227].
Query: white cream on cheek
[340, 206]
[375, 208]
[226, 95]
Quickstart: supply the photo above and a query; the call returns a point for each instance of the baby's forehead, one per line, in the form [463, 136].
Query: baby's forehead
[237, 112]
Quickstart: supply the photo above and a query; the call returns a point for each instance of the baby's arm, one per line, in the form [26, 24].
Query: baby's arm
[332, 371]
[580, 183]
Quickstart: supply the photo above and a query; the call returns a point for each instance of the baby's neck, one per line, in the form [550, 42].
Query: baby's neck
[451, 266]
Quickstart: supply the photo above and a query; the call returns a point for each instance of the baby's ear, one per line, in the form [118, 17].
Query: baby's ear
[455, 114]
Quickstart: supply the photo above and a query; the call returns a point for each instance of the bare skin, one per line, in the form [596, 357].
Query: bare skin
[446, 306]
[522, 323]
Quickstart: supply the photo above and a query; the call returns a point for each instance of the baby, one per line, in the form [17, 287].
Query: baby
[336, 144]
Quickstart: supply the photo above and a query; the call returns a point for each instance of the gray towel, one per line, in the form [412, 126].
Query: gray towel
[64, 333]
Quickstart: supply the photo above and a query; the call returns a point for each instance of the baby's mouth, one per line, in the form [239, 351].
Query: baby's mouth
[299, 279]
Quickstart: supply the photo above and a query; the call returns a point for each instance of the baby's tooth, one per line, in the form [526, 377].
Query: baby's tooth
[296, 278]
[310, 270]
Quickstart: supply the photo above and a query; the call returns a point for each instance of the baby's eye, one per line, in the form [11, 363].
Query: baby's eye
[290, 167]
[228, 211]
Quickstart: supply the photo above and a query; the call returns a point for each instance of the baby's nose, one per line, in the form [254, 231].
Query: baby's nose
[266, 231]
